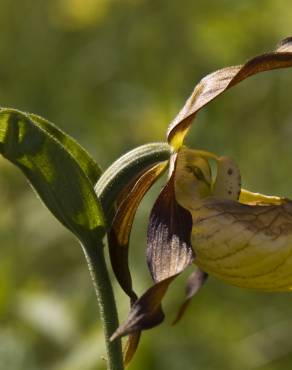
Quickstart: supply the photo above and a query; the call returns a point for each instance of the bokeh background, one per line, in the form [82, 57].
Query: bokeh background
[113, 73]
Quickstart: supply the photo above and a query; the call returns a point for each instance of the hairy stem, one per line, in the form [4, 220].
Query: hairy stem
[111, 183]
[106, 301]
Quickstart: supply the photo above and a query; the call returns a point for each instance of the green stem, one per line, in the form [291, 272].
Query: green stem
[106, 301]
[115, 179]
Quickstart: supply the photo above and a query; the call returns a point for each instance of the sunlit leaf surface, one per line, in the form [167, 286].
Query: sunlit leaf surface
[54, 173]
[88, 165]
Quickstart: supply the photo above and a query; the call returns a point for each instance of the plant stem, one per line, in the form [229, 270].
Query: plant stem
[106, 301]
[114, 179]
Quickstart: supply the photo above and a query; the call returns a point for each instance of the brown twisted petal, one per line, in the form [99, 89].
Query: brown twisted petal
[118, 239]
[146, 312]
[248, 246]
[169, 253]
[217, 82]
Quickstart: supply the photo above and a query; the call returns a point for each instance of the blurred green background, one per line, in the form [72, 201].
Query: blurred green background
[113, 73]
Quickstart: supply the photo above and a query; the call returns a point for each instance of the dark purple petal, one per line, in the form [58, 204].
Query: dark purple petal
[169, 249]
[146, 312]
[169, 253]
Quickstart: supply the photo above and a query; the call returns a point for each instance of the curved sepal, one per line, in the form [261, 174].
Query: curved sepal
[169, 252]
[146, 312]
[119, 234]
[217, 82]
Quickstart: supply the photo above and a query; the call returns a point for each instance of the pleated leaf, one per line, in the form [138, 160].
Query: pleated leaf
[217, 82]
[54, 172]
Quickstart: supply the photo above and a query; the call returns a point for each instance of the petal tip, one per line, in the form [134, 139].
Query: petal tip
[117, 334]
[285, 45]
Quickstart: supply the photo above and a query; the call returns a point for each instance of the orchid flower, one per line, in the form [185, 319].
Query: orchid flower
[198, 219]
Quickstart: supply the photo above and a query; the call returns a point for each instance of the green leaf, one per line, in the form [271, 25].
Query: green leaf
[87, 164]
[53, 170]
